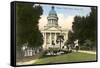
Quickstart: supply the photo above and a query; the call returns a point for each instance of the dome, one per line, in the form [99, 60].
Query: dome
[52, 17]
[52, 12]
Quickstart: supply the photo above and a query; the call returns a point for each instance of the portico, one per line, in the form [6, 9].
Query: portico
[52, 30]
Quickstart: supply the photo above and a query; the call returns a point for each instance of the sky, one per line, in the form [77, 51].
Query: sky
[65, 14]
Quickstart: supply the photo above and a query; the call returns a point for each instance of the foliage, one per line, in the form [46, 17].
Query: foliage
[70, 37]
[84, 28]
[27, 30]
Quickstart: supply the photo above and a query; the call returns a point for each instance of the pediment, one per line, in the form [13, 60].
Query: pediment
[53, 28]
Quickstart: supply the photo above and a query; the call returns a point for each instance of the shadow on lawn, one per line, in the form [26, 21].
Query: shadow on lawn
[44, 55]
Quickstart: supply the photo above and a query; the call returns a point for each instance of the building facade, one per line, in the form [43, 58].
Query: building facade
[53, 35]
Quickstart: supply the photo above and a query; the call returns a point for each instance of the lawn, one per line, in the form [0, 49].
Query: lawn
[71, 57]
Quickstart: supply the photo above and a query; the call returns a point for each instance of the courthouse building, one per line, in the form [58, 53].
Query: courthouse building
[52, 31]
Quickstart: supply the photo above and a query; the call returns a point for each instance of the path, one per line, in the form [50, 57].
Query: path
[26, 63]
[89, 52]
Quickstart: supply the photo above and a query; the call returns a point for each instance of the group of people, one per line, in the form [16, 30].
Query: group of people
[74, 46]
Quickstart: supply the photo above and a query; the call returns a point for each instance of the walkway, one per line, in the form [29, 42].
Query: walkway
[89, 52]
[27, 63]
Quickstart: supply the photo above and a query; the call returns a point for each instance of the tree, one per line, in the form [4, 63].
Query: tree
[93, 23]
[70, 37]
[85, 28]
[27, 30]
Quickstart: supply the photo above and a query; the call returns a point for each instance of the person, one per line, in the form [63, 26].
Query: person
[76, 45]
[77, 48]
[53, 43]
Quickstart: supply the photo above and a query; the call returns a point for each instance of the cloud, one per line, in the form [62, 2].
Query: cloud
[64, 22]
[43, 21]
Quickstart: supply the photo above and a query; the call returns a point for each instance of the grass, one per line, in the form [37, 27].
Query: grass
[71, 57]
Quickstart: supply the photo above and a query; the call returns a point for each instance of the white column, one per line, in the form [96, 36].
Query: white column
[50, 39]
[43, 34]
[45, 41]
[43, 38]
[55, 38]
